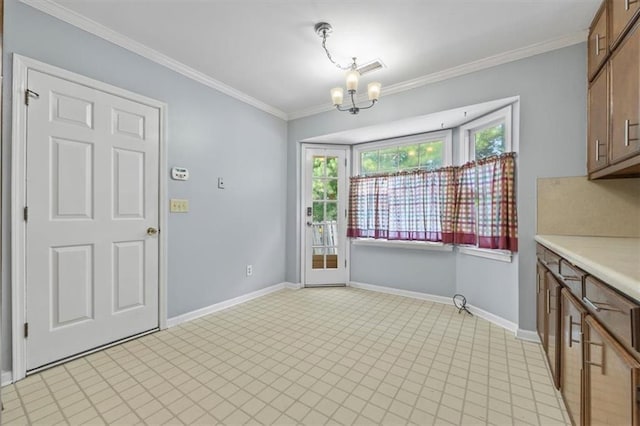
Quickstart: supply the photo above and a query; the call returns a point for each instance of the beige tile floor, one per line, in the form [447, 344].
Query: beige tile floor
[312, 356]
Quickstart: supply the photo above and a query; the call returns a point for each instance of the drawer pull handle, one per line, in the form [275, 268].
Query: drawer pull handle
[598, 48]
[586, 300]
[598, 306]
[548, 301]
[595, 364]
[571, 278]
[628, 124]
[571, 324]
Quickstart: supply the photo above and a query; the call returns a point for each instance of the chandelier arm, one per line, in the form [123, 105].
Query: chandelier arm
[343, 109]
[324, 46]
[353, 101]
[373, 102]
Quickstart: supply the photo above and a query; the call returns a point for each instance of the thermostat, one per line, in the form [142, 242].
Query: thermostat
[179, 173]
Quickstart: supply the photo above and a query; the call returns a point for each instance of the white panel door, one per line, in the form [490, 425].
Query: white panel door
[324, 219]
[92, 193]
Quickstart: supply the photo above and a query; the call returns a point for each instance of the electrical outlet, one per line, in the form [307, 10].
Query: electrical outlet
[220, 183]
[177, 205]
[249, 270]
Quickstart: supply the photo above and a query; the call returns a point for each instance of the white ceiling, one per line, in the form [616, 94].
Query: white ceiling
[268, 50]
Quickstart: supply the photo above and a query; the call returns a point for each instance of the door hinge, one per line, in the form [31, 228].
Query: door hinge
[345, 162]
[28, 94]
[26, 329]
[345, 263]
[25, 213]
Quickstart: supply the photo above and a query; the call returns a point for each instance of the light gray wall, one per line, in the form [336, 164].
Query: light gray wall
[209, 133]
[489, 284]
[552, 90]
[432, 272]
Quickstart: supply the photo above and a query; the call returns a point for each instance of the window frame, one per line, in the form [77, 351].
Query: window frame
[467, 149]
[446, 136]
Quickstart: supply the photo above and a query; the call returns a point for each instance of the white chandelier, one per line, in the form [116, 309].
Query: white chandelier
[323, 30]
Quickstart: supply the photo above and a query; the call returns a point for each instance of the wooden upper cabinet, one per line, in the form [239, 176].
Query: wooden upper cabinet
[624, 69]
[611, 379]
[598, 41]
[622, 13]
[598, 129]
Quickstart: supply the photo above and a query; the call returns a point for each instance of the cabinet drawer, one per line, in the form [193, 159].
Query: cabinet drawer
[552, 261]
[619, 315]
[572, 277]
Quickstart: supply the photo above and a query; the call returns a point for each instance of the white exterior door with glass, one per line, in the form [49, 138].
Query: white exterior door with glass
[324, 216]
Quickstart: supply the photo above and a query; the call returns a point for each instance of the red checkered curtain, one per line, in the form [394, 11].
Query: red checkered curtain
[447, 180]
[497, 215]
[406, 206]
[464, 216]
[368, 207]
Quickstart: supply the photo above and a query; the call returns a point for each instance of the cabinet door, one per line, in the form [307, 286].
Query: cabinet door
[598, 131]
[611, 379]
[598, 42]
[571, 321]
[541, 305]
[553, 326]
[622, 13]
[625, 98]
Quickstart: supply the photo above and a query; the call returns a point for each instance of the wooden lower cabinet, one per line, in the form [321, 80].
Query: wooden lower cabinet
[571, 339]
[553, 326]
[611, 379]
[541, 305]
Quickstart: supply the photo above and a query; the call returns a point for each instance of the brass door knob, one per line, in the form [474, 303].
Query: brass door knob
[152, 231]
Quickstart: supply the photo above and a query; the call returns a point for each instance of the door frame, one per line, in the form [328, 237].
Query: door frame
[302, 212]
[21, 65]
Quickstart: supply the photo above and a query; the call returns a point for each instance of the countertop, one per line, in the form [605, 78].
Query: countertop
[616, 261]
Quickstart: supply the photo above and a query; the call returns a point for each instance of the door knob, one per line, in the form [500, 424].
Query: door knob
[152, 231]
[309, 223]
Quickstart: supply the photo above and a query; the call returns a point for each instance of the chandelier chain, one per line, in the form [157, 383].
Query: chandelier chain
[324, 42]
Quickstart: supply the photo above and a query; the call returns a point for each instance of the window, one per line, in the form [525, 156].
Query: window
[427, 151]
[482, 138]
[486, 136]
[472, 205]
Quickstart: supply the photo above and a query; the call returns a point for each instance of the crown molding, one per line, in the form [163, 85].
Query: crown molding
[70, 17]
[470, 67]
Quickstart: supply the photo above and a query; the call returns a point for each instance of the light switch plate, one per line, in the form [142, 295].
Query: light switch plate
[177, 205]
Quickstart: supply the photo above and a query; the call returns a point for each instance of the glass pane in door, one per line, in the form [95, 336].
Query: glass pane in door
[325, 212]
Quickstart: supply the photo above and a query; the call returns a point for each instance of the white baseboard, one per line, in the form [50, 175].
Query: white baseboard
[492, 318]
[6, 378]
[189, 316]
[528, 335]
[292, 286]
[399, 292]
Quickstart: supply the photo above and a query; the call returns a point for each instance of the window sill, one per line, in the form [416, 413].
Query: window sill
[415, 245]
[500, 255]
